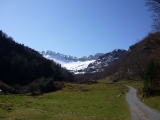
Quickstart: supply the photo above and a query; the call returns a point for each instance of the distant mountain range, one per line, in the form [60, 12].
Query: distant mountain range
[85, 64]
[69, 58]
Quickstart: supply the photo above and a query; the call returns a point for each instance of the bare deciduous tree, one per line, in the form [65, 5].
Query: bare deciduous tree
[154, 5]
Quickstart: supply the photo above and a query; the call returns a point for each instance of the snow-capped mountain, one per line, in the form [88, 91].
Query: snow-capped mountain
[85, 64]
[73, 64]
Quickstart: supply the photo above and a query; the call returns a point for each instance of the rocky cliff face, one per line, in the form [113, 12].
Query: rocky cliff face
[103, 61]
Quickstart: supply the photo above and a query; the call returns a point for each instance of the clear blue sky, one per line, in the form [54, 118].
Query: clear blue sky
[75, 27]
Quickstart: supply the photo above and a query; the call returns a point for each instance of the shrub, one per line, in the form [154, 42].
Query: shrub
[46, 85]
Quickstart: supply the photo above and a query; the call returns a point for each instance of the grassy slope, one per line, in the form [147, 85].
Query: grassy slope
[153, 102]
[75, 101]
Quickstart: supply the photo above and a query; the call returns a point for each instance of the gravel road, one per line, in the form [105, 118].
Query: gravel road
[140, 111]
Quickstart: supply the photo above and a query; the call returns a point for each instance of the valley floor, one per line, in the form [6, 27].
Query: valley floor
[104, 100]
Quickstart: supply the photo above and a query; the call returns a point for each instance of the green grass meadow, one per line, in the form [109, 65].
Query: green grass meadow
[101, 101]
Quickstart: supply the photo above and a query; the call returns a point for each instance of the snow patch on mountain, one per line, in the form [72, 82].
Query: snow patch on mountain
[77, 67]
[73, 64]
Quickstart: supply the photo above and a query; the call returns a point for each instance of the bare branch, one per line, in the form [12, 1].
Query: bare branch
[154, 5]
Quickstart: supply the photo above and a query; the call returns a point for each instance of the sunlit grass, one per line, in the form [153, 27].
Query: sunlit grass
[75, 102]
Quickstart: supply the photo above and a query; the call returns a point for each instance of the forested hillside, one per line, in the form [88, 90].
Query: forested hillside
[22, 65]
[134, 63]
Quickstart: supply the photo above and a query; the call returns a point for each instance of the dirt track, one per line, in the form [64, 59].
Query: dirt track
[140, 111]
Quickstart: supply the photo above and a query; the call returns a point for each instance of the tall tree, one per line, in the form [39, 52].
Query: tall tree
[151, 78]
[154, 5]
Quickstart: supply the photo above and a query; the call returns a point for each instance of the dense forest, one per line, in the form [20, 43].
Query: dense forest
[21, 65]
